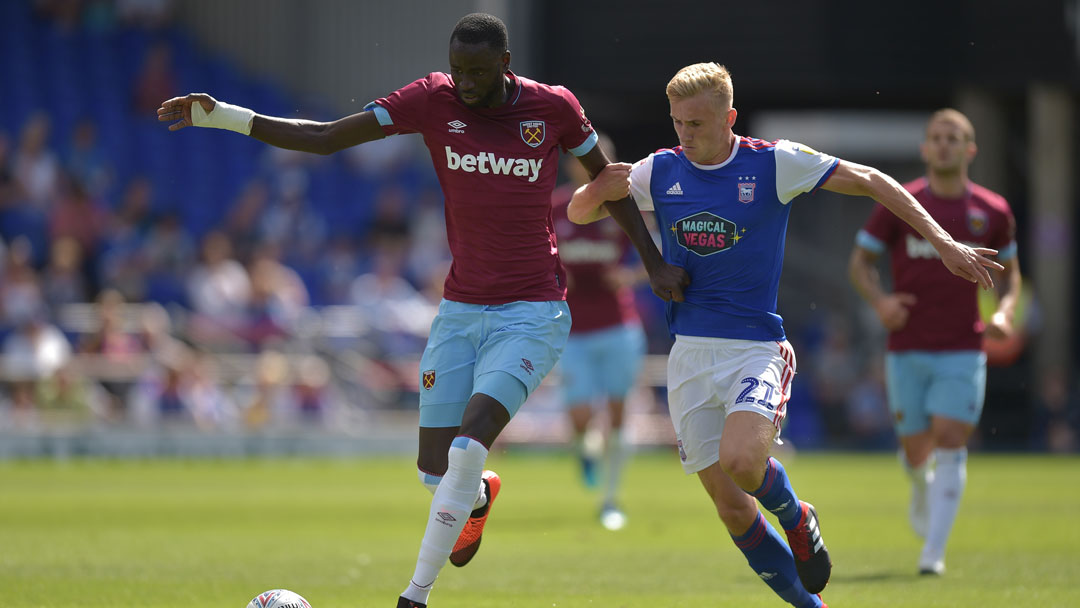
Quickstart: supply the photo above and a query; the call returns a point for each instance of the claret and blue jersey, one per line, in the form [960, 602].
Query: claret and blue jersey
[726, 225]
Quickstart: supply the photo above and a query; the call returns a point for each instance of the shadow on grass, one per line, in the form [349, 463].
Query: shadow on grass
[876, 577]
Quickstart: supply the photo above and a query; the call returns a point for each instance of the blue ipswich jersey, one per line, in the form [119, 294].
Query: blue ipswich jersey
[726, 225]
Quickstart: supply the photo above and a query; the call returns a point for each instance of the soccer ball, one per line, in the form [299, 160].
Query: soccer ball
[278, 598]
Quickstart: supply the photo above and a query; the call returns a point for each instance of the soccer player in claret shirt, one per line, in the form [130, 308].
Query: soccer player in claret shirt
[494, 138]
[935, 367]
[722, 202]
[606, 346]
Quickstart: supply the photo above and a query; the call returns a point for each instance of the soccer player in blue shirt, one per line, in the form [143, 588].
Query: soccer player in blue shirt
[722, 202]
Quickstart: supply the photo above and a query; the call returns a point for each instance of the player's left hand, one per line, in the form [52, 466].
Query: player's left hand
[178, 109]
[612, 183]
[1000, 326]
[970, 263]
[668, 282]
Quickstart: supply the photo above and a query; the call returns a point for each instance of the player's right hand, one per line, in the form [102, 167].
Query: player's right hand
[612, 183]
[892, 309]
[668, 282]
[179, 109]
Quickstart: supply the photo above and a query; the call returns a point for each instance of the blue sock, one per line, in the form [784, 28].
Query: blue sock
[771, 559]
[776, 495]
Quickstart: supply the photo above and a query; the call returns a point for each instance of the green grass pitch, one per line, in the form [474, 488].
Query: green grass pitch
[344, 533]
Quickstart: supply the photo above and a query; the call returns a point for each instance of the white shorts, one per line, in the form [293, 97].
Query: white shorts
[709, 378]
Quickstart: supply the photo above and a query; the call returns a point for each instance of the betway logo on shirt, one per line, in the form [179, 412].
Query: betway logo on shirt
[917, 248]
[589, 252]
[486, 162]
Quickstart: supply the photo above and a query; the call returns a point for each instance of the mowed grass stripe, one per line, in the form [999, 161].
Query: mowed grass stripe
[344, 533]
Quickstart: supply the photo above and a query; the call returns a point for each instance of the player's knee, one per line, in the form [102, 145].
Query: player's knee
[746, 469]
[950, 434]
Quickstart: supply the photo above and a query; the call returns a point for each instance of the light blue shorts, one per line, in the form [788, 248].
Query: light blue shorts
[503, 351]
[923, 384]
[601, 364]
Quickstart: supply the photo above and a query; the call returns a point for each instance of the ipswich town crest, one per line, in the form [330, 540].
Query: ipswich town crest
[746, 191]
[532, 132]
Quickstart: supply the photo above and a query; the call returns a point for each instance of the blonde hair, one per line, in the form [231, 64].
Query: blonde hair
[955, 117]
[701, 77]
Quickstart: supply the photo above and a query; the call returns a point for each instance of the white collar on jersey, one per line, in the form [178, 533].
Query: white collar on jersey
[731, 157]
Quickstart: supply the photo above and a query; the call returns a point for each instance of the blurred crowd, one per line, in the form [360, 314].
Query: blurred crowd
[279, 300]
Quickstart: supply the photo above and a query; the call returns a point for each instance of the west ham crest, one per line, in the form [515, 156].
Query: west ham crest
[977, 221]
[532, 132]
[746, 191]
[428, 379]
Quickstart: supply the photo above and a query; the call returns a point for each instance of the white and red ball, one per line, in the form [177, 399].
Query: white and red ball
[278, 598]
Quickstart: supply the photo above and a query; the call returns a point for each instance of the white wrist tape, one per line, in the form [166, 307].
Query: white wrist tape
[223, 116]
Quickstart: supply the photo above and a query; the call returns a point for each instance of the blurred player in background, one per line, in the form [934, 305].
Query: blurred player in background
[606, 346]
[722, 203]
[494, 138]
[935, 368]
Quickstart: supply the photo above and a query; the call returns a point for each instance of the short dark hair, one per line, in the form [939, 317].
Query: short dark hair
[482, 28]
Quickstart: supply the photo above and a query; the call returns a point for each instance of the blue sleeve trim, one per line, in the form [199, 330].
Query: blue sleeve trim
[827, 174]
[1007, 252]
[869, 242]
[380, 113]
[586, 146]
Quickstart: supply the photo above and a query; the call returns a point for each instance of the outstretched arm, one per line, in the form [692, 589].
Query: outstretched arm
[966, 262]
[202, 110]
[667, 281]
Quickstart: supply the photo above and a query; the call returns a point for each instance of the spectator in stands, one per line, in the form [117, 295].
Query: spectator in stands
[338, 268]
[168, 255]
[7, 178]
[242, 221]
[36, 170]
[78, 216]
[868, 410]
[292, 224]
[312, 384]
[278, 296]
[219, 291]
[834, 373]
[428, 257]
[20, 291]
[399, 315]
[155, 81]
[1056, 410]
[122, 264]
[35, 356]
[180, 390]
[118, 346]
[63, 281]
[267, 401]
[86, 161]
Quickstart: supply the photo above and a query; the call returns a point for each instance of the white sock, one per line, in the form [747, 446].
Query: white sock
[450, 508]
[921, 477]
[616, 457]
[947, 487]
[431, 482]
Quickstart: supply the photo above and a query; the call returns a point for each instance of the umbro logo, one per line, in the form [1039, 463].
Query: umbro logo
[445, 518]
[456, 126]
[675, 190]
[781, 507]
